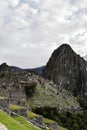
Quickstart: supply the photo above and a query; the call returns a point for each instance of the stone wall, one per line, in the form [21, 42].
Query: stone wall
[4, 104]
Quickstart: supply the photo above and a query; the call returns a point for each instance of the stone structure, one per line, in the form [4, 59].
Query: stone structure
[53, 126]
[4, 104]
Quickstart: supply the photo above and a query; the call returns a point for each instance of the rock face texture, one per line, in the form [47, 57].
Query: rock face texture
[67, 70]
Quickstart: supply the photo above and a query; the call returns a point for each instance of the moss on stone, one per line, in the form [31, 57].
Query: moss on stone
[15, 107]
[61, 128]
[47, 121]
[32, 115]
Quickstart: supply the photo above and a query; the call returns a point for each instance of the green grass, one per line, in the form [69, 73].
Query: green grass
[15, 107]
[16, 123]
[32, 115]
[48, 121]
[23, 121]
[61, 128]
[20, 123]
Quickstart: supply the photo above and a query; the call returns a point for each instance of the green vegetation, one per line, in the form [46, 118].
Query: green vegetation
[69, 120]
[23, 121]
[30, 90]
[32, 115]
[47, 112]
[15, 107]
[20, 123]
[9, 122]
[16, 123]
[76, 121]
[83, 103]
[47, 121]
[2, 75]
[43, 96]
[61, 128]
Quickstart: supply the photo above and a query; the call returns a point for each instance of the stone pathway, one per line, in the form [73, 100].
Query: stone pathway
[2, 127]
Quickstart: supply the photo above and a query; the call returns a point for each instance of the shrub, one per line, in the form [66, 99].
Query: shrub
[69, 120]
[83, 103]
[30, 90]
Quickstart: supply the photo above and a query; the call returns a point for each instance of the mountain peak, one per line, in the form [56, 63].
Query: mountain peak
[67, 70]
[64, 49]
[65, 45]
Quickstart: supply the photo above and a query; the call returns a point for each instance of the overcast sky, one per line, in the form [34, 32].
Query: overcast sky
[31, 29]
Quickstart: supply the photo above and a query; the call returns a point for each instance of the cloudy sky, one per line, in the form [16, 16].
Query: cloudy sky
[31, 29]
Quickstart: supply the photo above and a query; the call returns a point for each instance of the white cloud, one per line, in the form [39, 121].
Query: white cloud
[31, 29]
[82, 4]
[13, 3]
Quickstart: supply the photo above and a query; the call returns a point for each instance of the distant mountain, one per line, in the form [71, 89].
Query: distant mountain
[37, 70]
[15, 68]
[67, 70]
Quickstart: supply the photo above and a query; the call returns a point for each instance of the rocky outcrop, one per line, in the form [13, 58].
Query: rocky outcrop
[53, 126]
[67, 70]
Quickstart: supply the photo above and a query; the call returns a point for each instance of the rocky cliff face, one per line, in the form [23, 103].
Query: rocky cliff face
[67, 70]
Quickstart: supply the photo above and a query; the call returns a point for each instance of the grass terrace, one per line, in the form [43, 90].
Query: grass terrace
[32, 115]
[16, 123]
[48, 121]
[15, 107]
